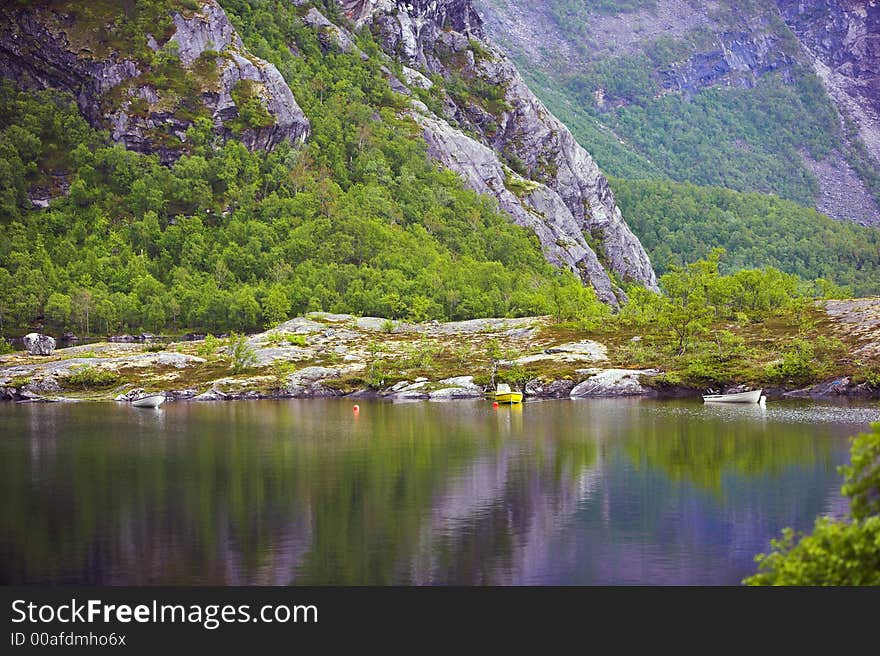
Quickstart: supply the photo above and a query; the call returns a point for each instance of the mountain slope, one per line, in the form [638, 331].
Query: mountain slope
[541, 176]
[189, 198]
[195, 72]
[680, 222]
[716, 93]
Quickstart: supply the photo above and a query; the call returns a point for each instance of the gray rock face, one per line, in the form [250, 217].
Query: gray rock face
[557, 389]
[541, 210]
[308, 383]
[613, 382]
[843, 37]
[35, 51]
[460, 387]
[37, 344]
[559, 192]
[722, 44]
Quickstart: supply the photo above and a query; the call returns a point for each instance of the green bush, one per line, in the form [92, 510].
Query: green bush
[208, 347]
[804, 360]
[85, 377]
[296, 340]
[798, 363]
[241, 353]
[419, 355]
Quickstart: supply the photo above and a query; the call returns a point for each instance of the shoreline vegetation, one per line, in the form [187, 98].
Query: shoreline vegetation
[755, 328]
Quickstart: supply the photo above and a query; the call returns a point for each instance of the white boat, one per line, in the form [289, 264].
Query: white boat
[149, 401]
[754, 396]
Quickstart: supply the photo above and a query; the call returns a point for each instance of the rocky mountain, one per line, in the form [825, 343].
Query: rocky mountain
[842, 38]
[149, 87]
[490, 128]
[153, 77]
[773, 97]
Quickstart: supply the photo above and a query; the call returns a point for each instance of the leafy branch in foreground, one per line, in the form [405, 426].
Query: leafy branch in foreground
[845, 552]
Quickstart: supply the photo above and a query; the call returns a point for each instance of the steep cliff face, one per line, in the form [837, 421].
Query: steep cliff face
[509, 144]
[612, 71]
[843, 38]
[194, 67]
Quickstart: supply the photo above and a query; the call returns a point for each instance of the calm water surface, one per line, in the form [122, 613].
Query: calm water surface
[305, 492]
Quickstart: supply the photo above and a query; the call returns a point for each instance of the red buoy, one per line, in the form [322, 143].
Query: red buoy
[357, 409]
[495, 404]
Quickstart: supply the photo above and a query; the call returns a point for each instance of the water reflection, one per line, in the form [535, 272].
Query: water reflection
[310, 493]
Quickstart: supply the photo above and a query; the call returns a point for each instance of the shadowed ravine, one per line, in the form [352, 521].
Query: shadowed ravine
[305, 492]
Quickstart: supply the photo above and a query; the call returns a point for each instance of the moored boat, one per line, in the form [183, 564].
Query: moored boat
[503, 394]
[752, 396]
[149, 401]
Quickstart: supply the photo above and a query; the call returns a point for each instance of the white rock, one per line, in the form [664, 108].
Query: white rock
[37, 344]
[613, 382]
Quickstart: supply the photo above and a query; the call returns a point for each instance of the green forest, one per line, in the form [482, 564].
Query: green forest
[679, 223]
[359, 220]
[742, 139]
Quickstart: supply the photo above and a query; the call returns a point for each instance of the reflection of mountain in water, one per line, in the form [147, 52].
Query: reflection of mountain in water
[278, 493]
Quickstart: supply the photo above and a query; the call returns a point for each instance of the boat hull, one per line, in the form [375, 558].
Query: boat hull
[753, 396]
[152, 401]
[509, 397]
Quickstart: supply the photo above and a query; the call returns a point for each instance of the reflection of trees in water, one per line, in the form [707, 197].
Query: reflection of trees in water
[703, 451]
[261, 493]
[201, 502]
[277, 493]
[493, 536]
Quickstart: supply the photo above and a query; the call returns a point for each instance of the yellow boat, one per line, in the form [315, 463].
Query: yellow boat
[503, 394]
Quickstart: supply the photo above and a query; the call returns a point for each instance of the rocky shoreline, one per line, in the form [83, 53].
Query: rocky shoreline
[326, 355]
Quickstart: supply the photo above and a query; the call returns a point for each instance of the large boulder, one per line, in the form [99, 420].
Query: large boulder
[38, 344]
[460, 387]
[556, 389]
[613, 382]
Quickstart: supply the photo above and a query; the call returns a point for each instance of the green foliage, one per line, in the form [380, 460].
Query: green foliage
[5, 346]
[358, 220]
[208, 346]
[747, 140]
[872, 378]
[518, 185]
[798, 363]
[837, 552]
[419, 355]
[679, 223]
[252, 113]
[754, 326]
[295, 340]
[571, 14]
[87, 377]
[241, 354]
[863, 475]
[698, 295]
[579, 306]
